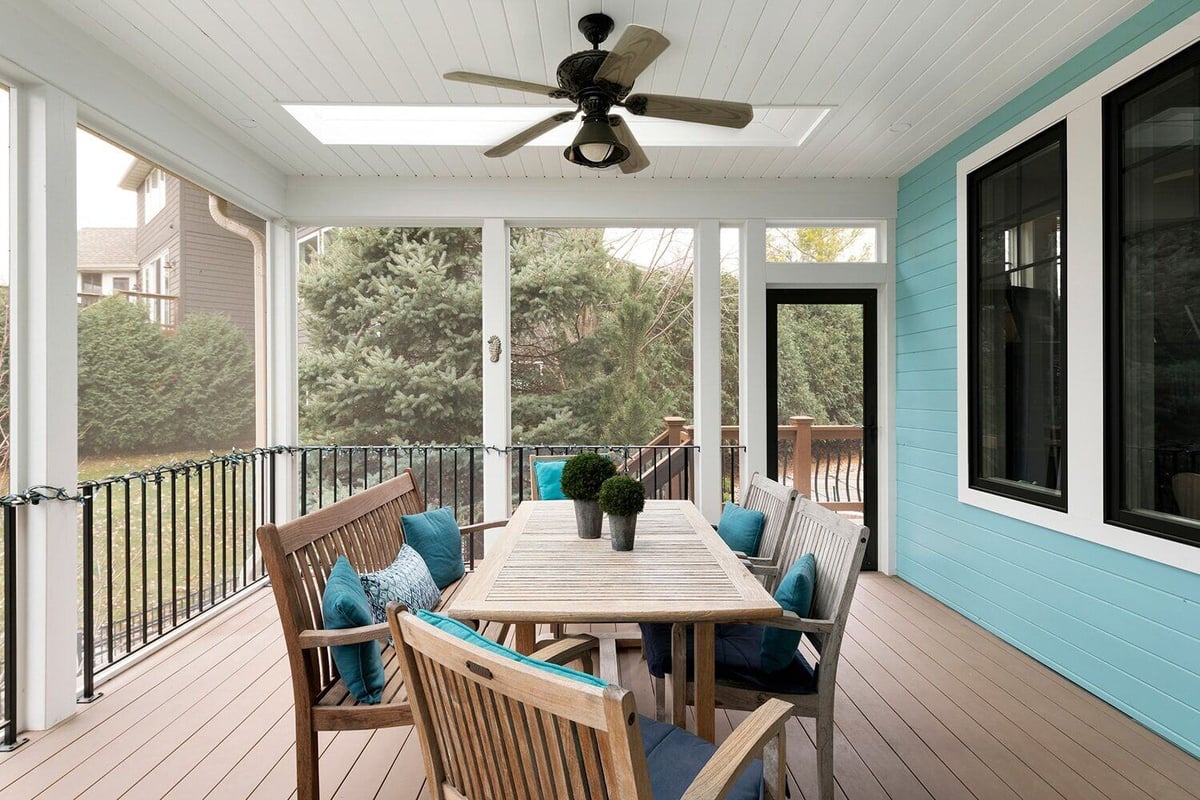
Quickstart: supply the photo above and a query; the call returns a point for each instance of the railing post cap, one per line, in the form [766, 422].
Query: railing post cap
[801, 420]
[674, 421]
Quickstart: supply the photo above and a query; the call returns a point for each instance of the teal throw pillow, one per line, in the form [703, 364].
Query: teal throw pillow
[549, 479]
[456, 628]
[344, 605]
[795, 593]
[741, 528]
[406, 580]
[435, 535]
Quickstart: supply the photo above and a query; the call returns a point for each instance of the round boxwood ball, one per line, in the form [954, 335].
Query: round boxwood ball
[583, 474]
[622, 496]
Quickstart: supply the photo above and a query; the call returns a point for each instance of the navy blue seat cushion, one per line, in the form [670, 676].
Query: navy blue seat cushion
[675, 757]
[738, 651]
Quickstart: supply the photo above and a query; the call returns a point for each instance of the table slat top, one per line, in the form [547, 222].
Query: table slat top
[679, 570]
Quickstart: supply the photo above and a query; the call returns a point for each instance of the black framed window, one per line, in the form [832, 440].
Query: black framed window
[1016, 287]
[1152, 300]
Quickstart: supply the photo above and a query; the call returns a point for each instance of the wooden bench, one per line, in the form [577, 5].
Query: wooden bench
[365, 528]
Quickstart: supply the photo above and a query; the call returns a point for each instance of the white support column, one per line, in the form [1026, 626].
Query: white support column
[43, 392]
[752, 349]
[283, 327]
[706, 360]
[497, 408]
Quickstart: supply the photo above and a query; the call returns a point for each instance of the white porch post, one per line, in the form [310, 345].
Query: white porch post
[706, 360]
[752, 349]
[283, 325]
[497, 409]
[43, 392]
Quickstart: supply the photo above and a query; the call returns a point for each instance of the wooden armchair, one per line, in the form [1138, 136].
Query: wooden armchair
[365, 528]
[838, 545]
[494, 728]
[775, 501]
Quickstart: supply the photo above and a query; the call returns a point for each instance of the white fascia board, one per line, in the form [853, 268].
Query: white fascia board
[638, 201]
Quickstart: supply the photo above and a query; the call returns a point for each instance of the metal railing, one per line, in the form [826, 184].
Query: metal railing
[163, 546]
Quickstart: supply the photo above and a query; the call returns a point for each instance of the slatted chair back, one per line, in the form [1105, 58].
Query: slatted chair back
[493, 728]
[365, 528]
[775, 501]
[838, 545]
[534, 494]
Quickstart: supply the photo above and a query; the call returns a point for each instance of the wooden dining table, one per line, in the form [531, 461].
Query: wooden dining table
[540, 571]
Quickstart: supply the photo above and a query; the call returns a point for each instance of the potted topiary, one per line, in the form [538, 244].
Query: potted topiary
[582, 476]
[622, 498]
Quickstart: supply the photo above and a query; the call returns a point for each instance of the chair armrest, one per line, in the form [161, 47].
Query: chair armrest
[331, 638]
[566, 649]
[793, 622]
[760, 569]
[756, 731]
[467, 530]
[761, 560]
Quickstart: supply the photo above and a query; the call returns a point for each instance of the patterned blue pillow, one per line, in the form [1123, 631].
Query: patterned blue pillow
[406, 580]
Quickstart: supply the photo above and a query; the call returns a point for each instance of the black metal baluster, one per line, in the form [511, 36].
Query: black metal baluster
[187, 542]
[128, 573]
[303, 481]
[350, 471]
[89, 599]
[174, 548]
[212, 533]
[145, 577]
[108, 565]
[274, 483]
[158, 527]
[10, 740]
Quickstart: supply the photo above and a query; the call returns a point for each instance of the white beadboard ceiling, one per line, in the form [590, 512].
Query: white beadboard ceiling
[937, 65]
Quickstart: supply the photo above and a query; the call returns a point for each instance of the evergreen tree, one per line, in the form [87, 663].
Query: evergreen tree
[212, 397]
[392, 319]
[124, 377]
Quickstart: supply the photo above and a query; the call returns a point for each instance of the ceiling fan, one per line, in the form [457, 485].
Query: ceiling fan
[597, 80]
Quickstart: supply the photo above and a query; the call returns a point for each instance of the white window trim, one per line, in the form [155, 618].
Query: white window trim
[158, 192]
[1081, 108]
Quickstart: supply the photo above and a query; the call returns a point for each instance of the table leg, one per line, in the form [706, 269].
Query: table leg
[526, 637]
[706, 714]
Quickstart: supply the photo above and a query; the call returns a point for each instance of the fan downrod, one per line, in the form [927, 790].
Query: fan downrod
[596, 28]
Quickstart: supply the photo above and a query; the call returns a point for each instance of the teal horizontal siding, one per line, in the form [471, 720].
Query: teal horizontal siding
[1125, 628]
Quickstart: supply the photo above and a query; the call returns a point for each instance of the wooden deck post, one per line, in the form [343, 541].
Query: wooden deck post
[674, 439]
[802, 455]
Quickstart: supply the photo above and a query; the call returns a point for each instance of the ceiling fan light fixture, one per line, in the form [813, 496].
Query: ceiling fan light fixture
[596, 145]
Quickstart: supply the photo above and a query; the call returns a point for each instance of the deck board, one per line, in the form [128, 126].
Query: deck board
[931, 707]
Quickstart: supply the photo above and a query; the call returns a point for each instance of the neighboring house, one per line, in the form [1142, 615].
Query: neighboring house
[187, 264]
[107, 262]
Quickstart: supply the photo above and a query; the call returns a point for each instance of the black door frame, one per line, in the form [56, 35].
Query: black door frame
[868, 299]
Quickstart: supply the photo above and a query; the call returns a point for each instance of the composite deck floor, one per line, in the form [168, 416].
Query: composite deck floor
[930, 706]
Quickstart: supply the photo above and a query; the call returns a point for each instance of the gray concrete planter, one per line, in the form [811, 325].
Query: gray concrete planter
[588, 518]
[623, 529]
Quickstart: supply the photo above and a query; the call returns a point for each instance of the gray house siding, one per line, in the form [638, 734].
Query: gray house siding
[160, 233]
[218, 271]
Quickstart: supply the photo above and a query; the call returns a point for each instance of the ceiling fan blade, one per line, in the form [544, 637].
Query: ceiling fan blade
[635, 50]
[691, 109]
[504, 83]
[529, 134]
[637, 160]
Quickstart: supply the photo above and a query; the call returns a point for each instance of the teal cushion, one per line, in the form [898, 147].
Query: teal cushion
[456, 628]
[741, 528]
[795, 593]
[435, 535]
[406, 581]
[344, 605]
[549, 479]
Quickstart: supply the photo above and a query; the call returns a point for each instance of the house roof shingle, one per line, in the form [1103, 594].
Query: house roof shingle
[107, 247]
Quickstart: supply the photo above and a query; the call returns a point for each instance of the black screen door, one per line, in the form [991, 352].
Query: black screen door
[822, 401]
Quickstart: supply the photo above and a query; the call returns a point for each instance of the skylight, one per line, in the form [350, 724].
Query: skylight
[479, 126]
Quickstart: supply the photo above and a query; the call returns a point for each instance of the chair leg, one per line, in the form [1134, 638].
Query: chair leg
[308, 778]
[825, 754]
[556, 630]
[660, 698]
[774, 768]
[679, 676]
